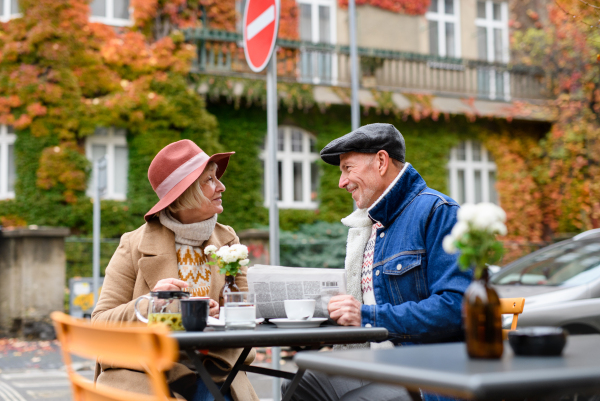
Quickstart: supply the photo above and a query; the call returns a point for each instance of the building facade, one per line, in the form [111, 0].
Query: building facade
[444, 78]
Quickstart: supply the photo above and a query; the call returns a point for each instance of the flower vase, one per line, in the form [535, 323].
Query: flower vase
[483, 321]
[229, 286]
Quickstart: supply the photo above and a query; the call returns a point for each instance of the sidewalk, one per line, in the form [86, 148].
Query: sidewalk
[33, 370]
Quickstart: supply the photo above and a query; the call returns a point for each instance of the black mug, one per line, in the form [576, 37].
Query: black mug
[194, 313]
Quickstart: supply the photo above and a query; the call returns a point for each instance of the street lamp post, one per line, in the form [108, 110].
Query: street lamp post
[99, 189]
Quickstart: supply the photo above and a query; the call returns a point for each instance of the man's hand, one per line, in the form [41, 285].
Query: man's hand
[170, 284]
[345, 310]
[214, 309]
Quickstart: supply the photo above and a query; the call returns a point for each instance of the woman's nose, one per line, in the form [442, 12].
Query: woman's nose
[220, 186]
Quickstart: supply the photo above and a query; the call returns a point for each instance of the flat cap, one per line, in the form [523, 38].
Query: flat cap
[369, 138]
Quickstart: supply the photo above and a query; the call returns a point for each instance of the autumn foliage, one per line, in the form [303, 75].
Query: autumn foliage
[410, 7]
[567, 46]
[63, 76]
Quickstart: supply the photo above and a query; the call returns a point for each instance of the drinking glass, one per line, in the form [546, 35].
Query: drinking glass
[240, 310]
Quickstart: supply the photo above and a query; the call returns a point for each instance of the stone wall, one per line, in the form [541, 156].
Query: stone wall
[32, 279]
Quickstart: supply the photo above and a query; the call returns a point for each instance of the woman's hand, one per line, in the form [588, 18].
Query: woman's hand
[214, 309]
[170, 284]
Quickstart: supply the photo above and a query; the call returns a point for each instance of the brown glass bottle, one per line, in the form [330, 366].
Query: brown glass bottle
[229, 286]
[482, 320]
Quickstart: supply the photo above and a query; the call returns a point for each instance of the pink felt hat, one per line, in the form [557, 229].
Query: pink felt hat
[176, 167]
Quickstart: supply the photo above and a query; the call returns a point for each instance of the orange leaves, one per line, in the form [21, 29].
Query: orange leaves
[288, 20]
[36, 110]
[221, 14]
[129, 49]
[62, 165]
[533, 15]
[410, 7]
[144, 11]
[520, 193]
[132, 56]
[22, 122]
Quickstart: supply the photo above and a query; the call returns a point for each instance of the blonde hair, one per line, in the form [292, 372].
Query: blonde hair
[193, 197]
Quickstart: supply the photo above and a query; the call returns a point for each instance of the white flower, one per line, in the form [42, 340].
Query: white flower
[483, 220]
[244, 262]
[229, 258]
[448, 244]
[224, 250]
[210, 249]
[486, 214]
[459, 229]
[498, 228]
[467, 212]
[241, 251]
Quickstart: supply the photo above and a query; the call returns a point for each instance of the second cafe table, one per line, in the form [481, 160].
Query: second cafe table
[446, 369]
[267, 335]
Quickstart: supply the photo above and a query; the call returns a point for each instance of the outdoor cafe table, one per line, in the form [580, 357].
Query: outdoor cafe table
[267, 335]
[447, 370]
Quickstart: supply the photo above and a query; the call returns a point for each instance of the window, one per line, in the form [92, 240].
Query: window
[297, 169]
[7, 162]
[444, 28]
[112, 143]
[317, 25]
[472, 174]
[492, 46]
[111, 12]
[9, 9]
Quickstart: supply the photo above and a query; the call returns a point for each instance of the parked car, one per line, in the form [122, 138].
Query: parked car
[560, 284]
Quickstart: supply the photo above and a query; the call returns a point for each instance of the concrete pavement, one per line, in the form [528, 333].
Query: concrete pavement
[33, 370]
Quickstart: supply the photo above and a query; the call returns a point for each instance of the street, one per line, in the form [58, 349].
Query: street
[33, 370]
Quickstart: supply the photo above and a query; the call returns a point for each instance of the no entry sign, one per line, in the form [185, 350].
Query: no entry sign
[261, 21]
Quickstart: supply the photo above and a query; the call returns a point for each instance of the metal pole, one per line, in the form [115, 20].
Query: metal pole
[354, 105]
[273, 194]
[99, 187]
[96, 240]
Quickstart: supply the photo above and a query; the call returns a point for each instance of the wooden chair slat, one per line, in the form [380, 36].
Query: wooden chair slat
[512, 306]
[149, 349]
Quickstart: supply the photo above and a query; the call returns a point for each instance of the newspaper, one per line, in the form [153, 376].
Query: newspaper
[274, 284]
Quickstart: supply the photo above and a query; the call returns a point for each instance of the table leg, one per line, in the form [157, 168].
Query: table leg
[235, 369]
[205, 376]
[290, 390]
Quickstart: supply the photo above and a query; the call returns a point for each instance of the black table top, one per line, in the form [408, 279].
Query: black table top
[268, 335]
[447, 369]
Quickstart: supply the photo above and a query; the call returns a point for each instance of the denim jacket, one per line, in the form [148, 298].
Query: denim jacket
[418, 287]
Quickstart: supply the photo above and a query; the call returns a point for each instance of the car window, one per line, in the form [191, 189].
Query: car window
[570, 264]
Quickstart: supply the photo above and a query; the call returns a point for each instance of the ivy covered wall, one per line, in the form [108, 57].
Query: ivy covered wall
[428, 143]
[242, 128]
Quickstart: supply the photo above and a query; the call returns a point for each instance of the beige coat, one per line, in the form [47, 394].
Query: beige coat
[144, 257]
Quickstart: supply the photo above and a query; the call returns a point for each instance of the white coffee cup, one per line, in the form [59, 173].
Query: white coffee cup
[297, 309]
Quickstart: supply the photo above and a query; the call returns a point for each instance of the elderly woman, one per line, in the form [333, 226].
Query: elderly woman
[167, 254]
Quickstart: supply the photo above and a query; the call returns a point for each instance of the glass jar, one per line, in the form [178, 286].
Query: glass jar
[164, 307]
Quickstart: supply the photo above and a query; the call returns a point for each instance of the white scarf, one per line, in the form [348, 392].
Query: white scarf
[193, 234]
[360, 225]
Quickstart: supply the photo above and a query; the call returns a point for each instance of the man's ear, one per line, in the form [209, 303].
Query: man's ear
[383, 162]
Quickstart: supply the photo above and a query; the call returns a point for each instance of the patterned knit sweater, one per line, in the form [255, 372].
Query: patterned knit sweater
[191, 261]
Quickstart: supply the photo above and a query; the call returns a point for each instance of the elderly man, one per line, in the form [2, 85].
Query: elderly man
[398, 275]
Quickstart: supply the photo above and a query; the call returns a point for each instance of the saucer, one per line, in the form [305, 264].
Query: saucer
[298, 324]
[220, 323]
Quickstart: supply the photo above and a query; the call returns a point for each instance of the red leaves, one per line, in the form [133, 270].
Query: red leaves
[532, 14]
[61, 165]
[36, 110]
[410, 7]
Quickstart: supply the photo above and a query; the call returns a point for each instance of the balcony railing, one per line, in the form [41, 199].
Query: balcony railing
[221, 52]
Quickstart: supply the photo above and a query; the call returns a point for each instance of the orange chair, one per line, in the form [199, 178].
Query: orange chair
[513, 306]
[150, 348]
